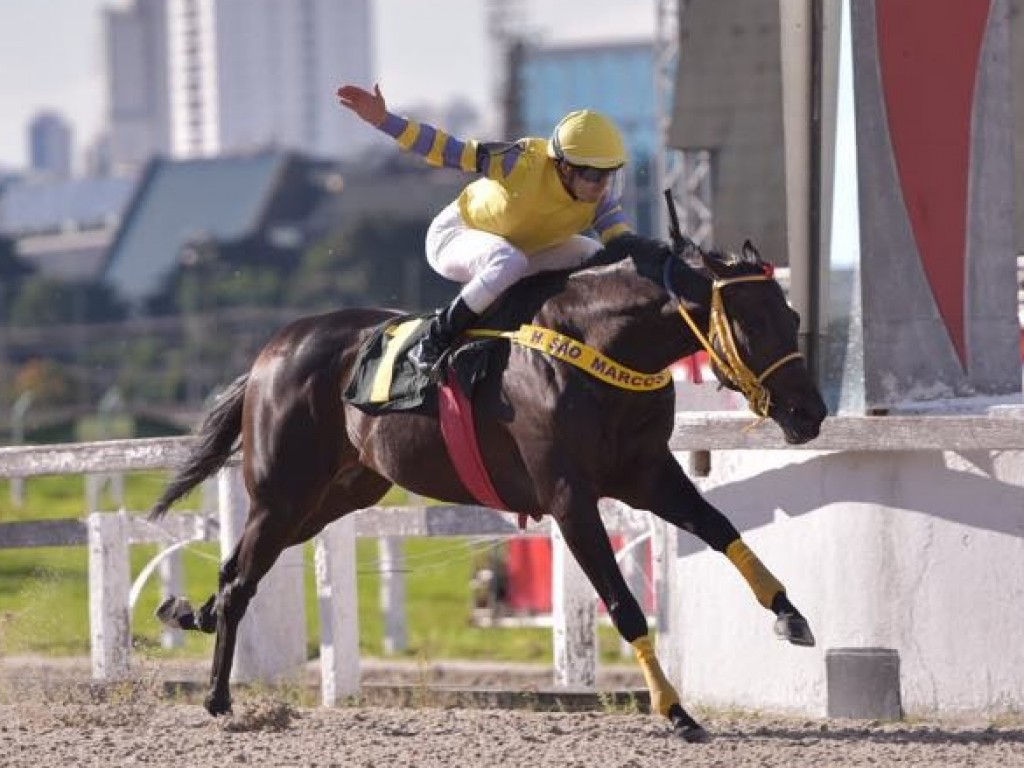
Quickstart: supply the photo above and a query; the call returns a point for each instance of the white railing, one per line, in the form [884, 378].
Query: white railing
[264, 651]
[272, 637]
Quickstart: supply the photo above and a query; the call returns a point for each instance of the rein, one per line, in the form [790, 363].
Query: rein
[719, 329]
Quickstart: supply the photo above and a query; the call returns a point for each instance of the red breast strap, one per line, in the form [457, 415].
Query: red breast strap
[459, 431]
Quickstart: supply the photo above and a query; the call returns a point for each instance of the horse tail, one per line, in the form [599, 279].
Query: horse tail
[213, 446]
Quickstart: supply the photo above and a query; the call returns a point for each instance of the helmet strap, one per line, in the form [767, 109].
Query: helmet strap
[565, 175]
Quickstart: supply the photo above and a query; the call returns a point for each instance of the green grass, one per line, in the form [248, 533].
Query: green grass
[44, 592]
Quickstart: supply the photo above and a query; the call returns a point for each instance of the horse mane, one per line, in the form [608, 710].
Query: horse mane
[712, 261]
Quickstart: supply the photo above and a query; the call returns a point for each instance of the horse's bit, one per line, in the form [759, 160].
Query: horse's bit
[719, 329]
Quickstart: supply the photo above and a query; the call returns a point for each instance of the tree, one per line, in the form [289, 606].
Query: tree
[46, 301]
[47, 380]
[372, 261]
[13, 272]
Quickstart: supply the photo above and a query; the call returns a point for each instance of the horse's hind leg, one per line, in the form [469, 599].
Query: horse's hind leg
[178, 613]
[261, 543]
[356, 487]
[676, 500]
[267, 533]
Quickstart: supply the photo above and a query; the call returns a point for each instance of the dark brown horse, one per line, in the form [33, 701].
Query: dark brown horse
[554, 438]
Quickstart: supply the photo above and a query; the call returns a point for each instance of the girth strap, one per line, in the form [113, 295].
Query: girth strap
[584, 357]
[459, 431]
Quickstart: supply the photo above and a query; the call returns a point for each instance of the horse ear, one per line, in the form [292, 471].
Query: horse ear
[750, 252]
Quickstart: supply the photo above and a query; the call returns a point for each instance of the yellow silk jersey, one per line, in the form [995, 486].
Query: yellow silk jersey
[520, 196]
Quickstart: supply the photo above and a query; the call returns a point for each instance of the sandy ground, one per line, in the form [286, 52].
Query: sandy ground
[52, 717]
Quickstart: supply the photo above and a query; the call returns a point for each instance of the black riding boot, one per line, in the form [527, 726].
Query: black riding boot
[444, 328]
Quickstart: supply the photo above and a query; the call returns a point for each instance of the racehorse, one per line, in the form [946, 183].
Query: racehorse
[554, 437]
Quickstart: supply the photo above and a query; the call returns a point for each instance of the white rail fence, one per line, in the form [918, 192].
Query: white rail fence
[272, 637]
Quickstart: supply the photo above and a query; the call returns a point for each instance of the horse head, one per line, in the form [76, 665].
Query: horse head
[751, 339]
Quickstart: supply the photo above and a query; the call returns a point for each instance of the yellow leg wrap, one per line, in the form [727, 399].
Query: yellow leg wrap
[760, 579]
[663, 695]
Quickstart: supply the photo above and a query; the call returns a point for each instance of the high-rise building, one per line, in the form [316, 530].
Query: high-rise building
[137, 86]
[250, 74]
[193, 78]
[50, 145]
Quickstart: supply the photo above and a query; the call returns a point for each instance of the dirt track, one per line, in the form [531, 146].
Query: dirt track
[54, 726]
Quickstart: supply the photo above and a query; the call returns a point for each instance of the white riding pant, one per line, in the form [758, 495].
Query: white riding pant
[489, 264]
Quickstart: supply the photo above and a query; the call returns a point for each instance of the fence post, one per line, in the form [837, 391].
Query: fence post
[110, 624]
[171, 583]
[271, 642]
[18, 413]
[391, 554]
[573, 613]
[633, 572]
[663, 557]
[338, 600]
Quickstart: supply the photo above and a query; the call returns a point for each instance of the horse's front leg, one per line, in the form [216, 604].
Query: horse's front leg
[578, 519]
[672, 496]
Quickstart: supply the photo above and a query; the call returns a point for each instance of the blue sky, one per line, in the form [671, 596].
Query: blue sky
[51, 54]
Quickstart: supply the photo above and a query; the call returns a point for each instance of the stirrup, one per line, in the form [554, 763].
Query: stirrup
[432, 367]
[424, 359]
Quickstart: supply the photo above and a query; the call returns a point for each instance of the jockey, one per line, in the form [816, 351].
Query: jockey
[525, 215]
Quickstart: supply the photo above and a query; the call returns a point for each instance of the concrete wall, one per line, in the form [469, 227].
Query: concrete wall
[1017, 83]
[936, 207]
[919, 552]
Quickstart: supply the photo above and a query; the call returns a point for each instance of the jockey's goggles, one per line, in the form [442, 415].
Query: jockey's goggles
[590, 174]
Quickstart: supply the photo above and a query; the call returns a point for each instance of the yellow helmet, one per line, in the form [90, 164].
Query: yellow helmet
[587, 138]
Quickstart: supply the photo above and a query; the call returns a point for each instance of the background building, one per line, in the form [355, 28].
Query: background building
[136, 75]
[250, 74]
[728, 102]
[50, 145]
[615, 78]
[197, 78]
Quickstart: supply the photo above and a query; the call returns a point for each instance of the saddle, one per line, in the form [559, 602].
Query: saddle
[385, 381]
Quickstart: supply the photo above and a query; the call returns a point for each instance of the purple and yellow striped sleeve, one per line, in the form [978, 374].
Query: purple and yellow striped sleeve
[437, 147]
[610, 219]
[497, 160]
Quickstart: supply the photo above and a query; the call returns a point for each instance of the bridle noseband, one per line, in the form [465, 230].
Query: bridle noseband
[720, 330]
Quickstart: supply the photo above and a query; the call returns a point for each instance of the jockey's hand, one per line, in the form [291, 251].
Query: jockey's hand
[369, 106]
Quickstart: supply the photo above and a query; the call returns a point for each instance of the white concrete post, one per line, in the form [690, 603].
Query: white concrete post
[632, 566]
[391, 554]
[171, 583]
[663, 554]
[573, 612]
[271, 642]
[110, 624]
[339, 610]
[93, 492]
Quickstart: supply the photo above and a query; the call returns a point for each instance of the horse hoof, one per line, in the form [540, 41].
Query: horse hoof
[794, 628]
[692, 734]
[176, 613]
[217, 705]
[686, 727]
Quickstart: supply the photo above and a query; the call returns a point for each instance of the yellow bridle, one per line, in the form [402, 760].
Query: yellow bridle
[733, 367]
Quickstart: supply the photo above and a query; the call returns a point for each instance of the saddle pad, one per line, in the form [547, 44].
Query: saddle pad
[384, 380]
